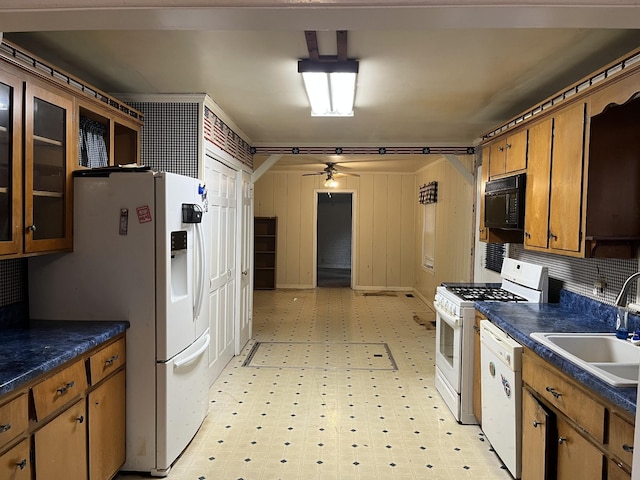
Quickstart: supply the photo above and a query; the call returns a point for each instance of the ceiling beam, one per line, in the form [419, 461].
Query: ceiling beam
[341, 40]
[266, 165]
[49, 15]
[312, 44]
[466, 174]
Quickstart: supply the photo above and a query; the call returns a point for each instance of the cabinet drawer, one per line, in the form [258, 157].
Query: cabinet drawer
[621, 438]
[60, 389]
[15, 464]
[106, 361]
[560, 392]
[14, 419]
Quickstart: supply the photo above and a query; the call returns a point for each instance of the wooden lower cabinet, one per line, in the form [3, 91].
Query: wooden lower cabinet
[60, 446]
[68, 424]
[617, 471]
[568, 431]
[538, 435]
[577, 458]
[16, 463]
[106, 411]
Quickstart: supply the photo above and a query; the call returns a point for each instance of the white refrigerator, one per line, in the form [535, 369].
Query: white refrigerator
[140, 255]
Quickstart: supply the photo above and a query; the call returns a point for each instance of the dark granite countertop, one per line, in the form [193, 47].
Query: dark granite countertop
[45, 344]
[573, 314]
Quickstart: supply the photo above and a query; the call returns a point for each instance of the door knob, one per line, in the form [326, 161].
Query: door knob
[536, 423]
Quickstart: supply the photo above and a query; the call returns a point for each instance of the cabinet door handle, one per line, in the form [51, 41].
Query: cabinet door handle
[5, 428]
[536, 423]
[553, 392]
[80, 419]
[627, 448]
[31, 228]
[501, 149]
[527, 234]
[109, 361]
[561, 440]
[551, 235]
[22, 465]
[476, 328]
[508, 145]
[63, 390]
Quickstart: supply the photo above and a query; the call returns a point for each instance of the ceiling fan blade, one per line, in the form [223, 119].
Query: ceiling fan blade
[315, 173]
[343, 174]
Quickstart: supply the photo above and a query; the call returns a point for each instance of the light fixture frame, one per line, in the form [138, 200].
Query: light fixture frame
[329, 65]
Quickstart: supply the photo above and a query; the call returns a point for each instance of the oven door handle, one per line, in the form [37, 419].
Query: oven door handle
[452, 320]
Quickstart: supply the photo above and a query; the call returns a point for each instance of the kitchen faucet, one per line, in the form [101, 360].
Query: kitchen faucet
[622, 328]
[621, 300]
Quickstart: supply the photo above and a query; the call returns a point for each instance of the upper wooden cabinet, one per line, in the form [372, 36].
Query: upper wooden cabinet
[612, 213]
[106, 137]
[53, 124]
[508, 154]
[492, 235]
[11, 94]
[553, 204]
[49, 148]
[582, 158]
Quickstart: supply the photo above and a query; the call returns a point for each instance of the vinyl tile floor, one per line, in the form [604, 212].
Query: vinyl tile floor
[304, 401]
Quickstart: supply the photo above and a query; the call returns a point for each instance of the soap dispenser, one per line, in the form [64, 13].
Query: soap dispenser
[622, 323]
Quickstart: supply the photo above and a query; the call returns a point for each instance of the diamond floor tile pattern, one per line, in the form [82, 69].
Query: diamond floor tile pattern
[288, 422]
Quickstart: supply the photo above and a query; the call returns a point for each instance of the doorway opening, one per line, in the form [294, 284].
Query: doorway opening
[334, 238]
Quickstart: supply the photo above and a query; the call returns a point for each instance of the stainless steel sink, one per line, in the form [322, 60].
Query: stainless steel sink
[615, 361]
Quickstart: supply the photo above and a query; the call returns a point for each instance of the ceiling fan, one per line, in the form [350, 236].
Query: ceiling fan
[332, 173]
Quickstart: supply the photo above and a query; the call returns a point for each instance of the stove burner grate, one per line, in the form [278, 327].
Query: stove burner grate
[486, 294]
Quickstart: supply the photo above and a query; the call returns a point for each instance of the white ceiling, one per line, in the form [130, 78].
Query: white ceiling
[429, 76]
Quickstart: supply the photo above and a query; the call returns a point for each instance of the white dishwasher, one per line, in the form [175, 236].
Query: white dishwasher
[501, 377]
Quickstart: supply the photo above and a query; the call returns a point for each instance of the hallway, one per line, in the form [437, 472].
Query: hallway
[313, 402]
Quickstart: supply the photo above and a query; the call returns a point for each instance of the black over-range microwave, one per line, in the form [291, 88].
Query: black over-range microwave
[504, 202]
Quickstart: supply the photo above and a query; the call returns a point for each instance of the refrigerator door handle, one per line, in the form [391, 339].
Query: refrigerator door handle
[201, 265]
[183, 361]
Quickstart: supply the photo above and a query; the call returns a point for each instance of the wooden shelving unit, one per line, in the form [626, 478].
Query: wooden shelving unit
[264, 264]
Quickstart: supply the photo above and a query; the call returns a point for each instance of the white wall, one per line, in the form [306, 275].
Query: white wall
[454, 227]
[388, 227]
[384, 216]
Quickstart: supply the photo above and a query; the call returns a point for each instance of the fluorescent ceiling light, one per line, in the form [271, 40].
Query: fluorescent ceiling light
[330, 86]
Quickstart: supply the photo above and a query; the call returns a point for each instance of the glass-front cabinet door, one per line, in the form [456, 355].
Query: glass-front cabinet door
[10, 164]
[48, 149]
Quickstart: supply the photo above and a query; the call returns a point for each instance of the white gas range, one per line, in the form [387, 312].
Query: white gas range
[521, 282]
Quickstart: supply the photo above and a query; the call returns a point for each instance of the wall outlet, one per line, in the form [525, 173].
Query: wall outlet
[599, 286]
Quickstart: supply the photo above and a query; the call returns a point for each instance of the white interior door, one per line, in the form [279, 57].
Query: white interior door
[245, 233]
[221, 186]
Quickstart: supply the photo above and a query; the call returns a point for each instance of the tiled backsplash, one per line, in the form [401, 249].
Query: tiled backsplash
[578, 275]
[169, 140]
[13, 281]
[573, 274]
[13, 292]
